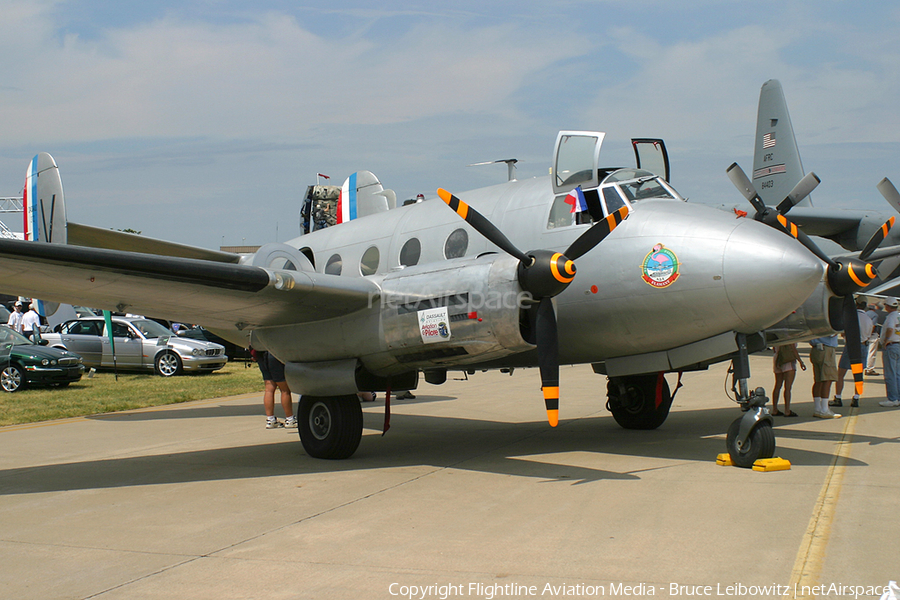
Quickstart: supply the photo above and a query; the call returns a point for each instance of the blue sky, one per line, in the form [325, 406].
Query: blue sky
[204, 121]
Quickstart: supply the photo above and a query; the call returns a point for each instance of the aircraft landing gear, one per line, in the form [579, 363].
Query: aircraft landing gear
[751, 436]
[330, 426]
[639, 401]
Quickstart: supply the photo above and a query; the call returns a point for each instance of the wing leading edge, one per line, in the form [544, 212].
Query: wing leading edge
[226, 297]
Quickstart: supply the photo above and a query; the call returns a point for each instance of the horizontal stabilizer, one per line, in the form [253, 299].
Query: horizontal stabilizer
[97, 237]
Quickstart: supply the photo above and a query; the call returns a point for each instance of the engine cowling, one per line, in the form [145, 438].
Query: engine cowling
[819, 315]
[467, 312]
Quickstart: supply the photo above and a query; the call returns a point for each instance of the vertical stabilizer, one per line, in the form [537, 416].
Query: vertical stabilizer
[776, 159]
[44, 208]
[43, 202]
[362, 195]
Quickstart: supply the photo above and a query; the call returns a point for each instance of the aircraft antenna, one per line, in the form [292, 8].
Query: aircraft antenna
[510, 166]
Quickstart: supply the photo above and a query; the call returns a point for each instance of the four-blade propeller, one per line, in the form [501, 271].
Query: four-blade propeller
[543, 274]
[845, 276]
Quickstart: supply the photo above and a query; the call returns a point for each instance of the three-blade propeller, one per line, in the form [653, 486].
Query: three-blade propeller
[543, 274]
[846, 276]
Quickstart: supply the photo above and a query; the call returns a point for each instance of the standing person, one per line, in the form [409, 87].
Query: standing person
[824, 372]
[31, 322]
[865, 332]
[785, 369]
[272, 371]
[15, 317]
[872, 346]
[890, 355]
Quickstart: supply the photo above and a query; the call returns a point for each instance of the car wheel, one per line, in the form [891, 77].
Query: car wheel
[12, 378]
[168, 364]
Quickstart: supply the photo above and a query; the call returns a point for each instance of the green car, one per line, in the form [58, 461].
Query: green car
[23, 363]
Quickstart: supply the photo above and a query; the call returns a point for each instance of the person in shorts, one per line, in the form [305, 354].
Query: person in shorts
[785, 369]
[822, 357]
[272, 371]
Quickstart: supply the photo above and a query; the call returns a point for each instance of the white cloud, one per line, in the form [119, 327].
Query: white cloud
[170, 78]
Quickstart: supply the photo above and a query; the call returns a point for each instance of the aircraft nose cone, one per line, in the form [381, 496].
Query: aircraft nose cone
[767, 274]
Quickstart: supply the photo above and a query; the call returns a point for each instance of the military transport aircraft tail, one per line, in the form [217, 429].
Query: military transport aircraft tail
[776, 158]
[777, 169]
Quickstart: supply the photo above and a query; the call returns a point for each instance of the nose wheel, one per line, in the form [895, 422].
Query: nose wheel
[751, 436]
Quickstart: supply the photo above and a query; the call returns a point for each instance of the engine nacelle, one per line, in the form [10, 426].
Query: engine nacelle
[818, 316]
[467, 312]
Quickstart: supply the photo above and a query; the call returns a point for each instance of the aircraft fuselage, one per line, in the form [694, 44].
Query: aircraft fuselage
[670, 275]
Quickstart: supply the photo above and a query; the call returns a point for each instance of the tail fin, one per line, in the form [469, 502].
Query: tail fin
[43, 202]
[362, 195]
[776, 159]
[44, 207]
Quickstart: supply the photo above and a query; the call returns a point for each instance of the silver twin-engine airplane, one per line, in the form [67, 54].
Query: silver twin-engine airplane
[608, 267]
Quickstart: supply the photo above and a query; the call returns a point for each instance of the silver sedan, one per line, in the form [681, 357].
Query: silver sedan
[140, 344]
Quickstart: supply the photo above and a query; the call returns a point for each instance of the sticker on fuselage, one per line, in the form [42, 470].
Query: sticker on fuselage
[660, 267]
[434, 325]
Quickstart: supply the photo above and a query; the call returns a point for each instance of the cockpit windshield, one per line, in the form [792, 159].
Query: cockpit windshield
[637, 184]
[621, 187]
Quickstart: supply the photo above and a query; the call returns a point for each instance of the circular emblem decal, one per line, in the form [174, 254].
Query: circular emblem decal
[660, 267]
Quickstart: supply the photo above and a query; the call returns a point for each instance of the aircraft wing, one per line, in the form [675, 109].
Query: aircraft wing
[225, 297]
[829, 223]
[96, 237]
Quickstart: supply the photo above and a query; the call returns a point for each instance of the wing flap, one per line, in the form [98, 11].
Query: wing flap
[216, 295]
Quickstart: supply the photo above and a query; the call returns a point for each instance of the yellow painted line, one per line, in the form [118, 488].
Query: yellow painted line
[110, 415]
[808, 564]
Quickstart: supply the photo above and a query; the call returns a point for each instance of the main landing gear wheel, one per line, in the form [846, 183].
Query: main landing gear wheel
[330, 426]
[760, 443]
[637, 408]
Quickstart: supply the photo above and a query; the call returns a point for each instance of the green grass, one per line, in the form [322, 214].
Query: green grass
[102, 393]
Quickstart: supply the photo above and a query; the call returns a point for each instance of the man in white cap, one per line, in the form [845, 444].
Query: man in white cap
[15, 317]
[890, 355]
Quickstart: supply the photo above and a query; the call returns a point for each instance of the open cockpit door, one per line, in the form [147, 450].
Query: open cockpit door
[651, 156]
[576, 160]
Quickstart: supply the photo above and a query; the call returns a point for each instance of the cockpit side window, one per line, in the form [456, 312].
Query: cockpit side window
[561, 214]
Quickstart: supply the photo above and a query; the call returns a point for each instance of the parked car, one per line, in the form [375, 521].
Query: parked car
[140, 344]
[233, 351]
[24, 363]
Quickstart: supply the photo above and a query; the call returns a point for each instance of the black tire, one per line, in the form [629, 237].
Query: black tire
[167, 364]
[760, 444]
[637, 408]
[330, 426]
[12, 378]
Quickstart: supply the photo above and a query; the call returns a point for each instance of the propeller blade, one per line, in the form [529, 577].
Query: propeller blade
[890, 193]
[596, 234]
[877, 238]
[548, 357]
[745, 186]
[786, 225]
[851, 339]
[482, 225]
[803, 189]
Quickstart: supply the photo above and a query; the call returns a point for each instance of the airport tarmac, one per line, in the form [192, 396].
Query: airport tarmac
[470, 492]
